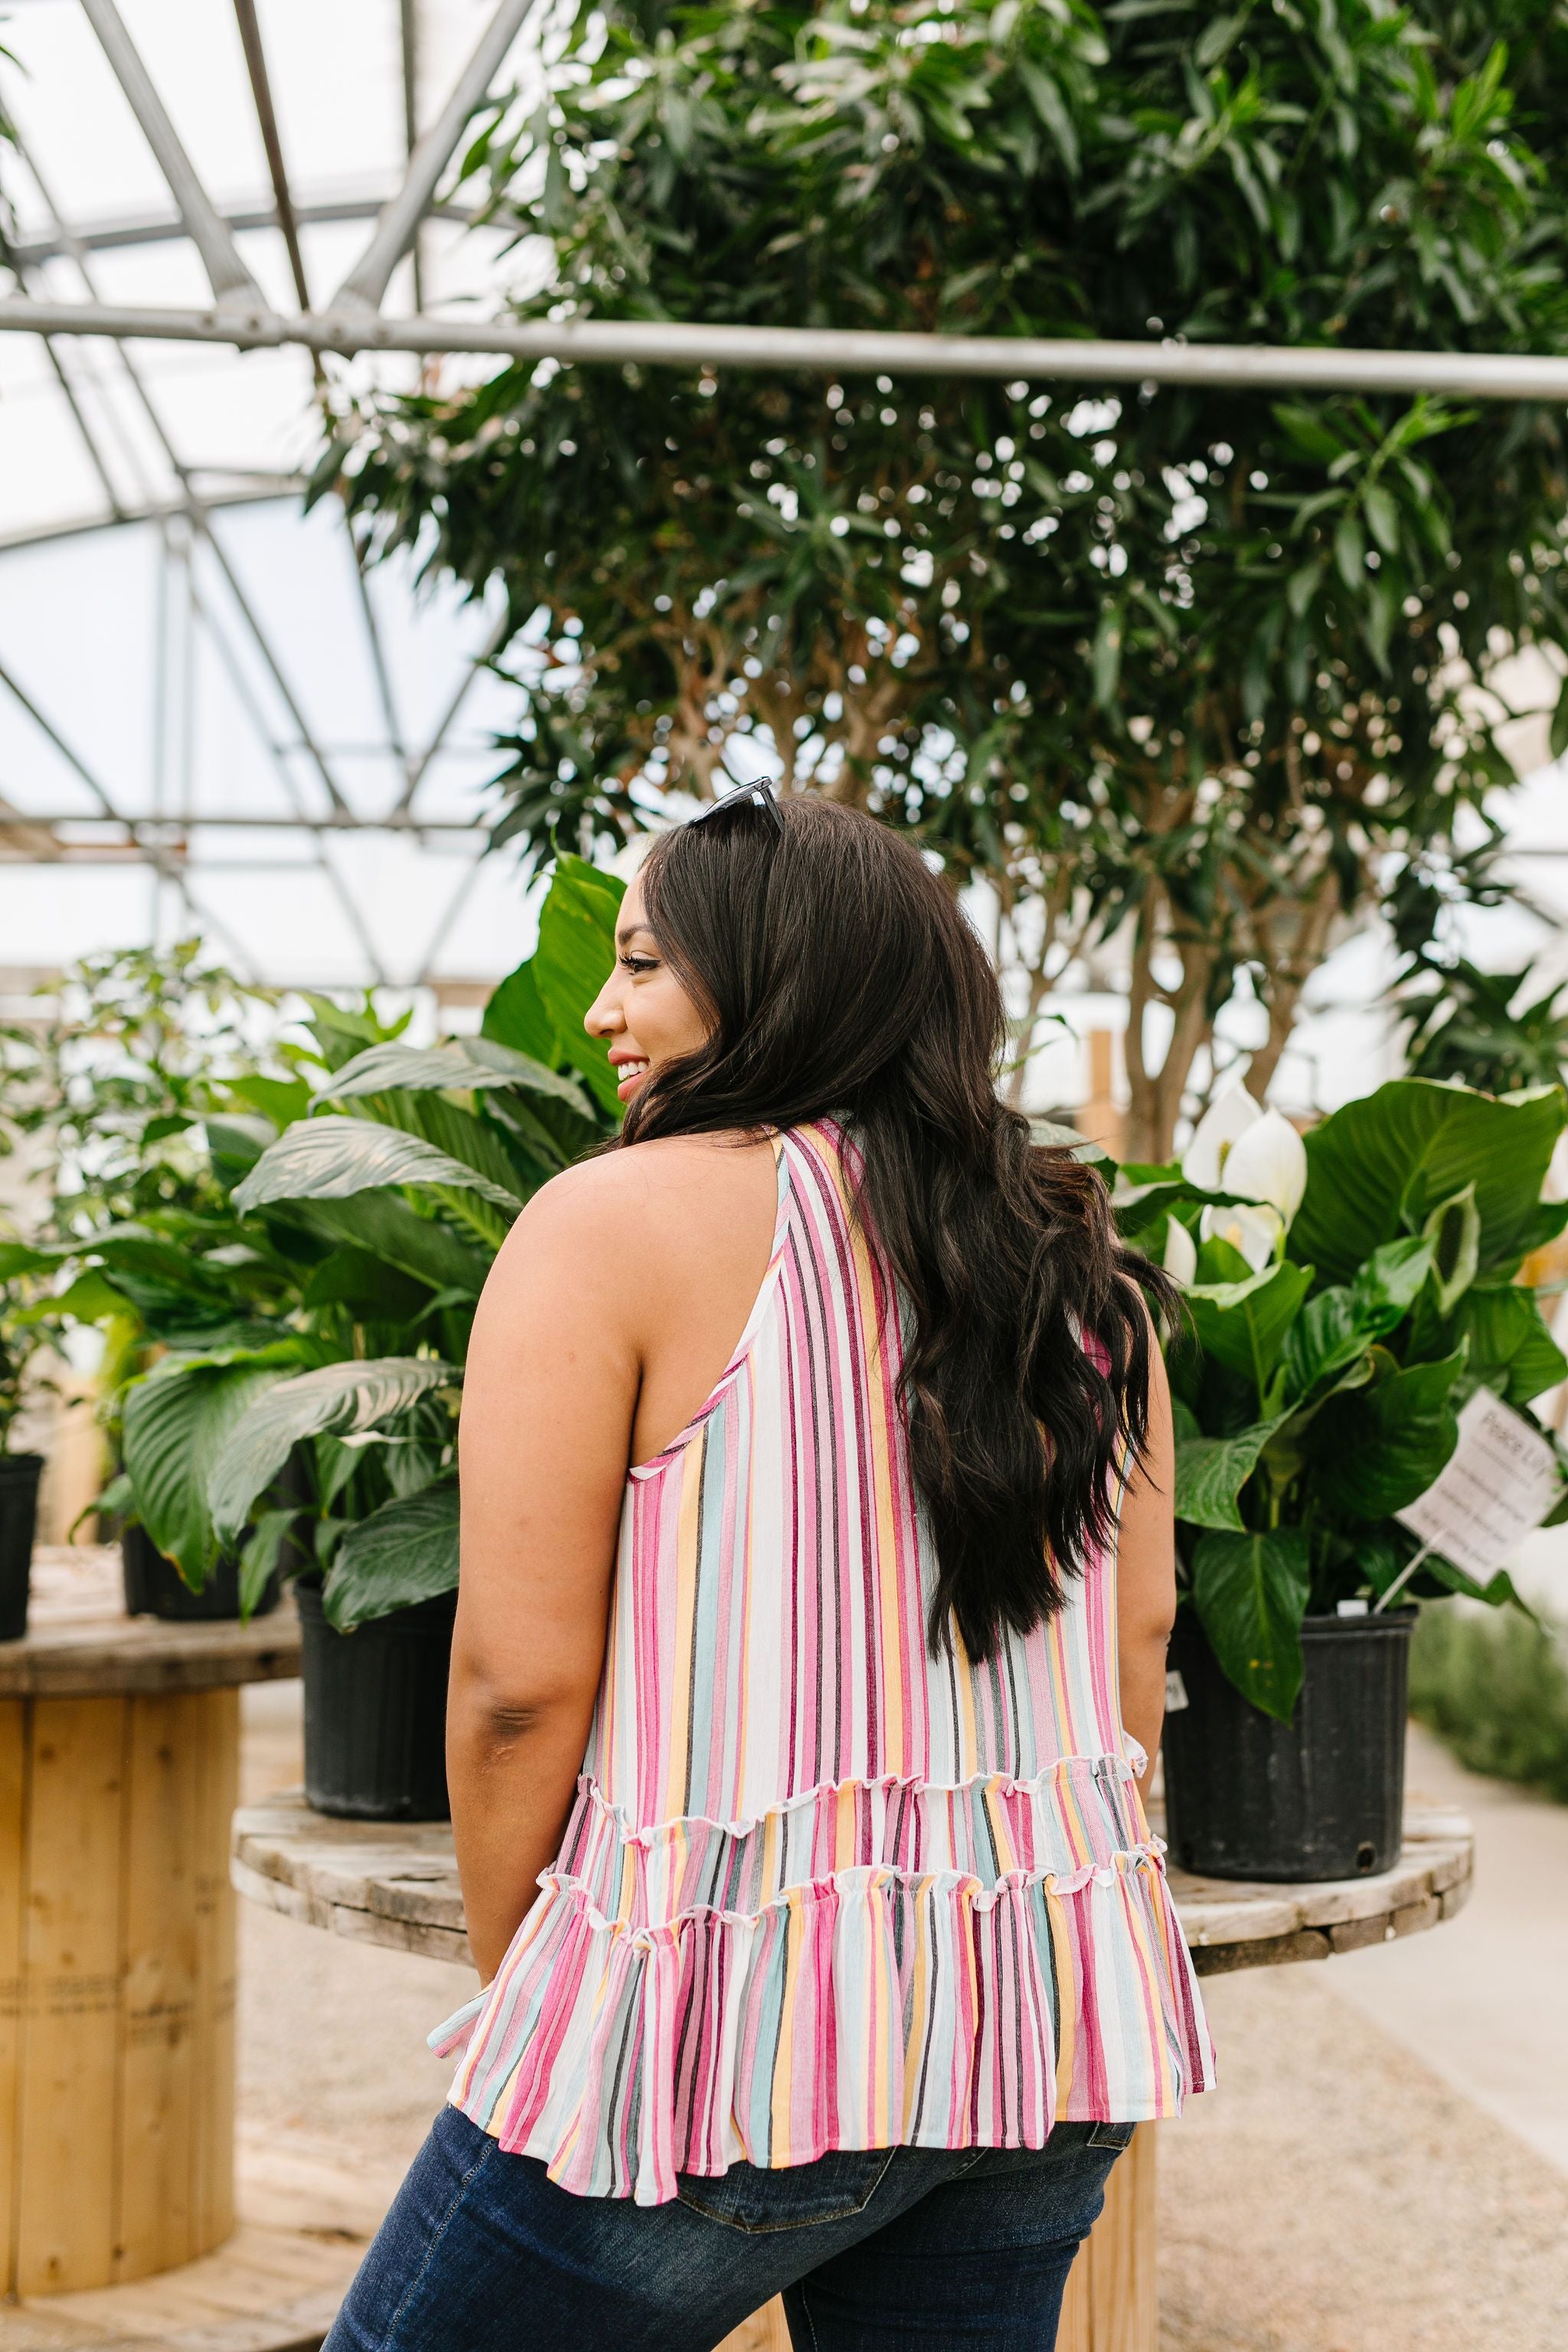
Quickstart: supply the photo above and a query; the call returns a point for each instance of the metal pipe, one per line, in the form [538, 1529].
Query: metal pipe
[231, 821]
[366, 283]
[1264, 367]
[409, 41]
[229, 278]
[267, 120]
[110, 237]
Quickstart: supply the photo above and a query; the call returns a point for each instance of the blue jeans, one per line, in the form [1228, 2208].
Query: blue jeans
[883, 2248]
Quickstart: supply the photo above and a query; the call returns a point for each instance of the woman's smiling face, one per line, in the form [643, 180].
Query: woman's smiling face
[643, 1010]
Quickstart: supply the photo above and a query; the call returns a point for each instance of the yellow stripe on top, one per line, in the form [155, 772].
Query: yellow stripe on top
[689, 1531]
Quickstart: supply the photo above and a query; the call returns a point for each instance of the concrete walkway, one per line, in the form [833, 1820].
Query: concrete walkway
[1484, 2000]
[1368, 2177]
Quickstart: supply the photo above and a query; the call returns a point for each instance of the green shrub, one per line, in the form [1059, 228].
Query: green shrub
[1495, 1690]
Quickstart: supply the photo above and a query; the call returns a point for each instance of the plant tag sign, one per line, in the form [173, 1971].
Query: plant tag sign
[1495, 1488]
[1176, 1692]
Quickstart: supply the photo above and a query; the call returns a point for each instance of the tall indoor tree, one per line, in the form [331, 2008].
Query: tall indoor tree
[1206, 664]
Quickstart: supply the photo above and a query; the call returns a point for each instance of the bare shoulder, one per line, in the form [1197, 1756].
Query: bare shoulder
[639, 1205]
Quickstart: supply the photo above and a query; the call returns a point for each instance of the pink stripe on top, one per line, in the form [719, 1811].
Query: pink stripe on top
[819, 1889]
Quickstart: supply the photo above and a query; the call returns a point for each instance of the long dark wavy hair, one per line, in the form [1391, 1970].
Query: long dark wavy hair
[842, 979]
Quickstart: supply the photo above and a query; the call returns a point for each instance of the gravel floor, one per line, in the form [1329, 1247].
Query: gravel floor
[1334, 2194]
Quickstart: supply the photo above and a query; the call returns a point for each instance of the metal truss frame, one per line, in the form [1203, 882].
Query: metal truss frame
[352, 323]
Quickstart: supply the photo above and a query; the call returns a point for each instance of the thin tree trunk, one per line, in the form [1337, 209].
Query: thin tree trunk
[1289, 977]
[1154, 1103]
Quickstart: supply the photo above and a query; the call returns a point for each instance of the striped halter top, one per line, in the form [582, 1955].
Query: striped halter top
[820, 1890]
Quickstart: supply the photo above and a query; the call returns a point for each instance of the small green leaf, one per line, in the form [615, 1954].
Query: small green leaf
[405, 1552]
[1349, 550]
[1251, 1592]
[1212, 1471]
[259, 1558]
[1383, 517]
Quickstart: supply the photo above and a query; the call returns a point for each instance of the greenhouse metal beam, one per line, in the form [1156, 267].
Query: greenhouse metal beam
[365, 286]
[152, 852]
[227, 275]
[237, 821]
[166, 229]
[1473, 375]
[267, 121]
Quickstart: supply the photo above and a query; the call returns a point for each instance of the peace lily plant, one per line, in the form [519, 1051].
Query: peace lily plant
[1347, 1291]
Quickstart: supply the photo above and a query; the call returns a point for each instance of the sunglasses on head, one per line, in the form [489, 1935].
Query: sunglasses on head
[760, 795]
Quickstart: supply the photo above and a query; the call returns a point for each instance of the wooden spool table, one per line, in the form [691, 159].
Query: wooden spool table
[398, 1885]
[118, 1769]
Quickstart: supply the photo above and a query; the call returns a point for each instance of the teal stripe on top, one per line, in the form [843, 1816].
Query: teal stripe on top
[820, 1890]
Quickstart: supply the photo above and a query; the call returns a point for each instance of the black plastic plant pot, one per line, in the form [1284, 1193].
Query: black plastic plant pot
[1319, 1796]
[154, 1587]
[19, 1475]
[376, 1711]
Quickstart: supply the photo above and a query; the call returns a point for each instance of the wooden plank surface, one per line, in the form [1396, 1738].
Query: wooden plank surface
[65, 2112]
[396, 1884]
[157, 2089]
[14, 1730]
[80, 1641]
[268, 2289]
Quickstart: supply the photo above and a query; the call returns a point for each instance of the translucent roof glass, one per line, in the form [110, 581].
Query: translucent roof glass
[180, 645]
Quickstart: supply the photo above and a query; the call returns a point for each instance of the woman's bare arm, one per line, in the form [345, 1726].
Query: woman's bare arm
[1146, 1570]
[549, 1393]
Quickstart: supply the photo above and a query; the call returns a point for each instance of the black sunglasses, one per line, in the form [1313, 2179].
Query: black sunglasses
[760, 795]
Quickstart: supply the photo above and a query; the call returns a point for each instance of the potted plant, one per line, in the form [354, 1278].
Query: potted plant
[323, 1439]
[1347, 1293]
[19, 1475]
[135, 1236]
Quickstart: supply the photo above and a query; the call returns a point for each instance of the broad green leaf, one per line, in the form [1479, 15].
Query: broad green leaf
[92, 1298]
[471, 1065]
[1212, 1471]
[1338, 1326]
[1244, 1324]
[515, 1017]
[376, 1290]
[331, 1159]
[1251, 1592]
[280, 1101]
[1377, 1169]
[383, 1223]
[405, 1552]
[1375, 1450]
[1220, 1261]
[575, 954]
[1387, 1287]
[1510, 1349]
[1138, 1206]
[1326, 1338]
[179, 1421]
[333, 1400]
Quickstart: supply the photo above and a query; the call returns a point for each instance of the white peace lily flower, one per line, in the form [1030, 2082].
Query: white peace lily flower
[1257, 1233]
[1181, 1257]
[1268, 1162]
[1217, 1133]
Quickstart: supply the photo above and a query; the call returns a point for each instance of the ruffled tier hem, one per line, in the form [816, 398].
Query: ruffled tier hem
[877, 2005]
[1081, 1815]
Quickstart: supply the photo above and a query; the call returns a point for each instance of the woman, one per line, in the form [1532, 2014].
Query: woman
[794, 1768]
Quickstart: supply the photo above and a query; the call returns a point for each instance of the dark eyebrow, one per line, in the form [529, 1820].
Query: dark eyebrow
[626, 932]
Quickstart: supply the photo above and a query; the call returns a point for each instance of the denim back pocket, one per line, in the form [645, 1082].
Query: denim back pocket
[796, 2197]
[1112, 2135]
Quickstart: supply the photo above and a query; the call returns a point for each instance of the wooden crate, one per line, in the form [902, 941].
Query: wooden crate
[117, 1984]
